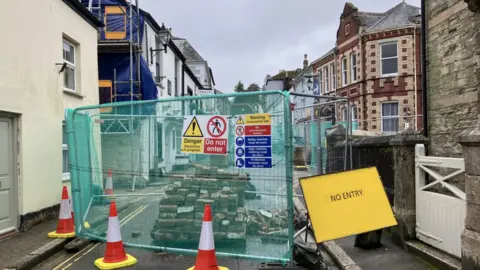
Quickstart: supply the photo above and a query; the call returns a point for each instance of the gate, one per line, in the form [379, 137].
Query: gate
[160, 189]
[440, 218]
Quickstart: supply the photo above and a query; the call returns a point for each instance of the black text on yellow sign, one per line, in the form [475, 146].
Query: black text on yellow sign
[192, 145]
[346, 203]
[193, 129]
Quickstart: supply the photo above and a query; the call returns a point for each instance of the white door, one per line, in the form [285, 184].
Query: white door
[7, 191]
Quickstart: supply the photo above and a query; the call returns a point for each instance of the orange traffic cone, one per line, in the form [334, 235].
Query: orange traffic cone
[109, 184]
[65, 227]
[206, 259]
[115, 256]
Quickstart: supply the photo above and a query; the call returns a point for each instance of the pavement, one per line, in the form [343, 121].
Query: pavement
[19, 245]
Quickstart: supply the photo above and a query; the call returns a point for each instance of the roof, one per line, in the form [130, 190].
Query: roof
[402, 14]
[286, 73]
[187, 49]
[323, 56]
[152, 20]
[83, 12]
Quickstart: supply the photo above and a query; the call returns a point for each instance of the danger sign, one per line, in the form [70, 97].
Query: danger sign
[239, 130]
[203, 134]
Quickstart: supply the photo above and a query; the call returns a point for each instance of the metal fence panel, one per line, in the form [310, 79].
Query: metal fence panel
[161, 192]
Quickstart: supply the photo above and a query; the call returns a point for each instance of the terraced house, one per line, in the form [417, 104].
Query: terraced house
[376, 65]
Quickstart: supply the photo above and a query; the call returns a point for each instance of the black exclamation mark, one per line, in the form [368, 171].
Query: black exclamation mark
[194, 124]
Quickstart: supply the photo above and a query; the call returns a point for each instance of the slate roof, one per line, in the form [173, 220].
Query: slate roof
[402, 14]
[187, 49]
[323, 56]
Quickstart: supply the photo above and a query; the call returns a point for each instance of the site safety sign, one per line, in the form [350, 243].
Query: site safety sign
[346, 203]
[253, 141]
[205, 134]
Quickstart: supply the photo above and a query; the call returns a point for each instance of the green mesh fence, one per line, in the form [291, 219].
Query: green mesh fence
[160, 191]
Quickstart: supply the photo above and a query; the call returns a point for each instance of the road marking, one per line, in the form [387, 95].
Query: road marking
[79, 255]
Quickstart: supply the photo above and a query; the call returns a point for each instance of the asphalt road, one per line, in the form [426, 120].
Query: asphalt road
[140, 216]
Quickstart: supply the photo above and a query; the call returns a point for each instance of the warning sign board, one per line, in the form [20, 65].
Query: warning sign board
[253, 141]
[204, 134]
[354, 201]
[193, 129]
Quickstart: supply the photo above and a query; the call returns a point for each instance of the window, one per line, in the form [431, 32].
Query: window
[326, 80]
[353, 110]
[176, 78]
[389, 57]
[344, 71]
[65, 168]
[320, 81]
[353, 67]
[347, 29]
[69, 72]
[169, 87]
[334, 79]
[390, 117]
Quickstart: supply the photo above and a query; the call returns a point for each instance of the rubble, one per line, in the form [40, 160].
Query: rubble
[181, 209]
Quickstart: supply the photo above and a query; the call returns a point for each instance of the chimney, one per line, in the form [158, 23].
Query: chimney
[305, 62]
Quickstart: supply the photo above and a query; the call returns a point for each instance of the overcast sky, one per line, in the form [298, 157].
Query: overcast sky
[248, 39]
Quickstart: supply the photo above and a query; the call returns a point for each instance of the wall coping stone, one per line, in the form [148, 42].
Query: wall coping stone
[408, 137]
[470, 137]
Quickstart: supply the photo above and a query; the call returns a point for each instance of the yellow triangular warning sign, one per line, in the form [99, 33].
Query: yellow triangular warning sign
[240, 121]
[193, 129]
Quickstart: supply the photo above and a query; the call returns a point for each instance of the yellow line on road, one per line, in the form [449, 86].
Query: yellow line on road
[79, 255]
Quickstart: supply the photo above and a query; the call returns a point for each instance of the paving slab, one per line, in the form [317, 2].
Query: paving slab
[18, 246]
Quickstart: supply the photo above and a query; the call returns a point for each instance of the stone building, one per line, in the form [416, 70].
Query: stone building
[452, 36]
[377, 66]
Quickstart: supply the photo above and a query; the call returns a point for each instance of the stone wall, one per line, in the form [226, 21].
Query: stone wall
[453, 58]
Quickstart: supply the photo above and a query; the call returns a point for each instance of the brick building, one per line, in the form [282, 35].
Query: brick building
[376, 65]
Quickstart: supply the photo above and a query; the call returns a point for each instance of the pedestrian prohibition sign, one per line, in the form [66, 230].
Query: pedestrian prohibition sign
[216, 126]
[239, 130]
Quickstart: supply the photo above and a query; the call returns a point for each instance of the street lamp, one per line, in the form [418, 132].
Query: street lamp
[310, 84]
[165, 38]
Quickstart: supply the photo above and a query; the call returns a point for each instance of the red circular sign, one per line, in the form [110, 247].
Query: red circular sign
[240, 130]
[216, 126]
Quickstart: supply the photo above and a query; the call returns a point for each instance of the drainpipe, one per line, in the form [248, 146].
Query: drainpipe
[415, 96]
[424, 70]
[183, 86]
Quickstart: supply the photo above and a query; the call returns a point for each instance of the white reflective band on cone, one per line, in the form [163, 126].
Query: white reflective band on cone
[113, 234]
[206, 237]
[65, 212]
[109, 183]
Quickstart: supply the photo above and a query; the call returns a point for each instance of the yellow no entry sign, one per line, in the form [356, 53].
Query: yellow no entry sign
[346, 203]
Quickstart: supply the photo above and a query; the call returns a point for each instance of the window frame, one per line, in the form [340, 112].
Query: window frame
[70, 64]
[327, 80]
[334, 78]
[347, 29]
[320, 81]
[344, 71]
[390, 117]
[353, 67]
[381, 58]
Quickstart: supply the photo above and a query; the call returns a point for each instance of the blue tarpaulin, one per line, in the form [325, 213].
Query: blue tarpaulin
[120, 61]
[116, 23]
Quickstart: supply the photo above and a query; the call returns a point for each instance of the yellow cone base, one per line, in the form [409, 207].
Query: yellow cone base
[106, 266]
[219, 268]
[54, 234]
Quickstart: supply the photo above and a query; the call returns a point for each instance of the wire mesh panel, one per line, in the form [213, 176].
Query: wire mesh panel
[313, 118]
[161, 187]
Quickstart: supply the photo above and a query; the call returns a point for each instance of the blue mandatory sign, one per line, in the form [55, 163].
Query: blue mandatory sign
[259, 152]
[258, 163]
[240, 162]
[240, 152]
[258, 141]
[240, 141]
